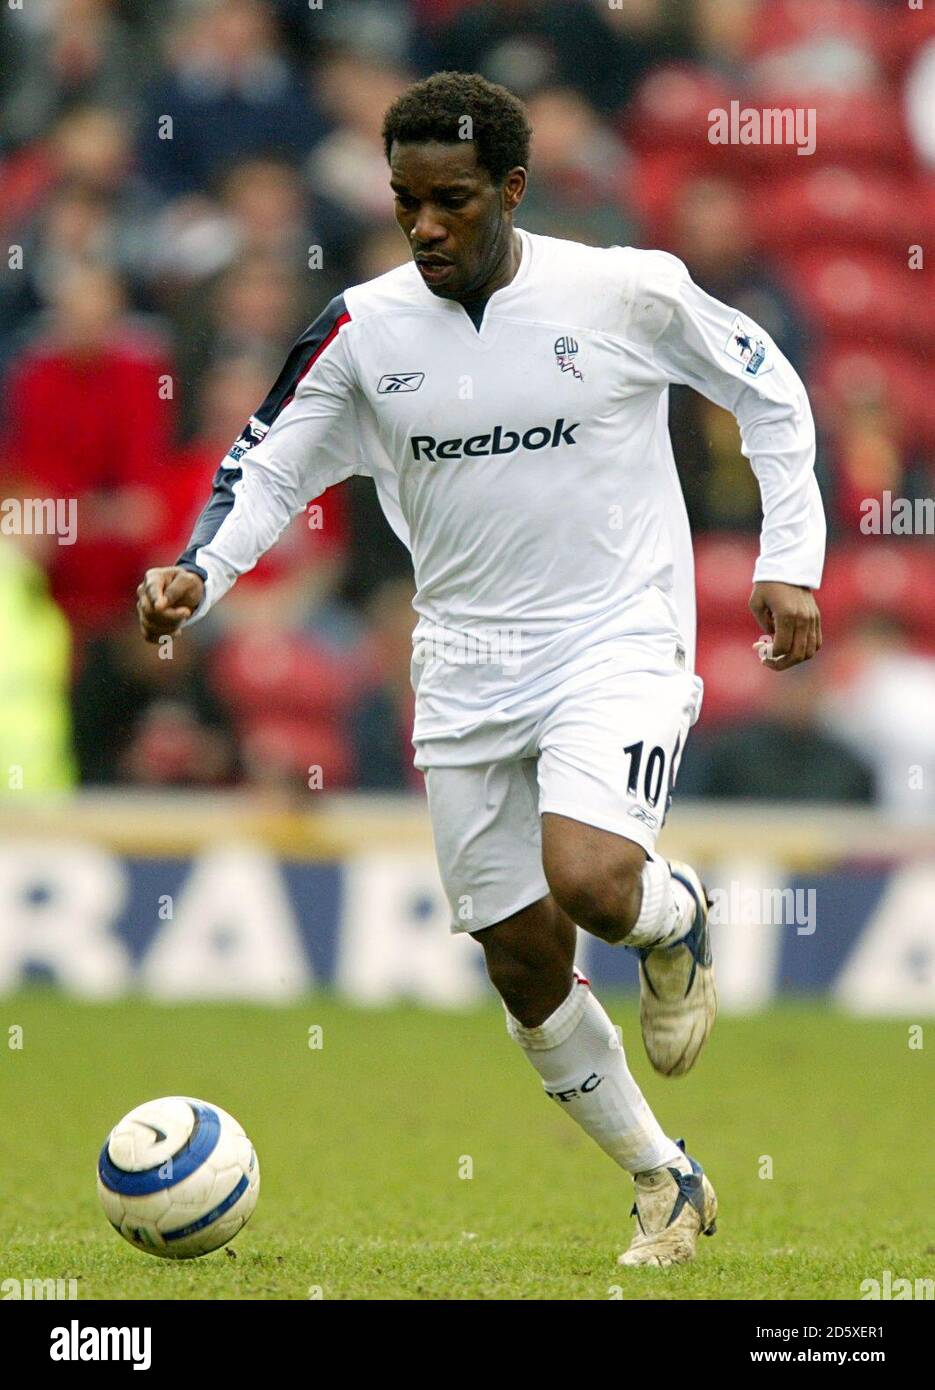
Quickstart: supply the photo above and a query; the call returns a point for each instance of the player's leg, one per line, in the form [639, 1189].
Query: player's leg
[621, 893]
[486, 826]
[567, 1036]
[530, 959]
[626, 896]
[607, 766]
[570, 1041]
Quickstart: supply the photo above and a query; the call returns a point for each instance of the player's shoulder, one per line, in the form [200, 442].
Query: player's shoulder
[394, 291]
[339, 321]
[607, 286]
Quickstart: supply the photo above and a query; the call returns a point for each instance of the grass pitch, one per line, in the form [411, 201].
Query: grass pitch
[363, 1144]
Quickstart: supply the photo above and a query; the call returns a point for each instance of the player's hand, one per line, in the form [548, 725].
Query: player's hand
[166, 598]
[790, 615]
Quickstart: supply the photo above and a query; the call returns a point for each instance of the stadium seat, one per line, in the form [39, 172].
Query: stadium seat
[669, 111]
[857, 130]
[906, 32]
[26, 176]
[881, 575]
[734, 678]
[281, 674]
[723, 579]
[656, 178]
[851, 369]
[790, 23]
[853, 295]
[839, 209]
[276, 749]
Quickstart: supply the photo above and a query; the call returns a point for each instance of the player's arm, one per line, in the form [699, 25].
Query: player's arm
[728, 358]
[299, 442]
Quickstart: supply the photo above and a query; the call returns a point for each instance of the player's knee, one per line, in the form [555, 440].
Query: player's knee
[530, 989]
[604, 901]
[531, 969]
[518, 984]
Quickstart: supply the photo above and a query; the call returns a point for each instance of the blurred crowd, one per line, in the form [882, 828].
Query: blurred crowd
[185, 186]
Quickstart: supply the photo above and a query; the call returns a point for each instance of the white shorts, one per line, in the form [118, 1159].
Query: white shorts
[604, 750]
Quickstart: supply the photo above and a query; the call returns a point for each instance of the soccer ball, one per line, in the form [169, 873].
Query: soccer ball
[178, 1177]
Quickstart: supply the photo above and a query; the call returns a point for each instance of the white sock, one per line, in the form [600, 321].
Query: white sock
[578, 1054]
[667, 910]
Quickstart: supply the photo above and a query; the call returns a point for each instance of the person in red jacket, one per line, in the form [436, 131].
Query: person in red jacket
[91, 416]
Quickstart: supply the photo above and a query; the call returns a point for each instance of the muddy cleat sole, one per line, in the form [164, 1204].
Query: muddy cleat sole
[678, 997]
[672, 1210]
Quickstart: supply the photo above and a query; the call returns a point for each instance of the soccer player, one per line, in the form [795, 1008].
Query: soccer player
[507, 394]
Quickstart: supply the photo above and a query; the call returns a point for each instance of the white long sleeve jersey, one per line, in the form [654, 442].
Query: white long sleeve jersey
[527, 465]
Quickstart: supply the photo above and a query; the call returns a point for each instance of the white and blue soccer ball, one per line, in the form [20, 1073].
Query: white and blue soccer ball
[178, 1177]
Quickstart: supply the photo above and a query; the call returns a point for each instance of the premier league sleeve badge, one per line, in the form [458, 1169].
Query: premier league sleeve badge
[746, 348]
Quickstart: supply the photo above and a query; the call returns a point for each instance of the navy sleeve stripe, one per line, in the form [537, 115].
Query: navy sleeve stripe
[303, 356]
[213, 515]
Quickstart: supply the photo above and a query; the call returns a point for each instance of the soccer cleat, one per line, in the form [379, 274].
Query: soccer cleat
[678, 998]
[672, 1209]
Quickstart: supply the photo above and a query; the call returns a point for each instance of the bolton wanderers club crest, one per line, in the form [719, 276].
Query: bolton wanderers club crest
[566, 349]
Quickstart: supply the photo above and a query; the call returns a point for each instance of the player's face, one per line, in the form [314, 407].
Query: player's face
[457, 222]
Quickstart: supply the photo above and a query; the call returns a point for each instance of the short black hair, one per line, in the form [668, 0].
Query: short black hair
[435, 109]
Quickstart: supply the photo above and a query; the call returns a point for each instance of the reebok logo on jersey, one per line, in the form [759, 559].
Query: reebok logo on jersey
[400, 381]
[501, 441]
